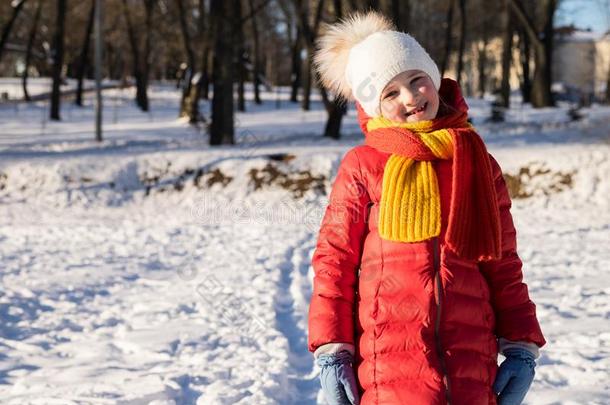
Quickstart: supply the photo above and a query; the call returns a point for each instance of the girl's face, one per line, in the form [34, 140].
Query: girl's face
[410, 97]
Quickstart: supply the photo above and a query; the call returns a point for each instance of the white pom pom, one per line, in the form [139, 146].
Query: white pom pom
[334, 46]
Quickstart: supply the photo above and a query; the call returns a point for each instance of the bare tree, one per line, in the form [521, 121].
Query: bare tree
[84, 56]
[58, 58]
[543, 48]
[460, 67]
[474, 38]
[604, 6]
[295, 40]
[188, 106]
[149, 7]
[193, 92]
[337, 107]
[525, 81]
[400, 12]
[448, 37]
[204, 81]
[482, 60]
[138, 68]
[507, 50]
[9, 26]
[297, 65]
[28, 52]
[241, 68]
[482, 67]
[309, 37]
[202, 86]
[222, 126]
[256, 55]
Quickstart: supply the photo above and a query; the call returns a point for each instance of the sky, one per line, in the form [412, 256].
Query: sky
[584, 14]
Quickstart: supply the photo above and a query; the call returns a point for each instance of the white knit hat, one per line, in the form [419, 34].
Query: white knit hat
[359, 56]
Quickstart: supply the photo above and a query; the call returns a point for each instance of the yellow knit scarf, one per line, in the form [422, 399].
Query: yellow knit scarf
[410, 208]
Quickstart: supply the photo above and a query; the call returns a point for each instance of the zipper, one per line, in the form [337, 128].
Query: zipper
[437, 324]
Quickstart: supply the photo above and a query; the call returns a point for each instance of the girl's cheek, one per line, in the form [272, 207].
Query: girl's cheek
[397, 113]
[388, 111]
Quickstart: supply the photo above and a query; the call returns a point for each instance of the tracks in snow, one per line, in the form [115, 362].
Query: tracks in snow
[291, 304]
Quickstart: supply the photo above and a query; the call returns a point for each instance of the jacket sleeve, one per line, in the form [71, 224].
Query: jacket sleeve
[334, 348]
[515, 312]
[336, 258]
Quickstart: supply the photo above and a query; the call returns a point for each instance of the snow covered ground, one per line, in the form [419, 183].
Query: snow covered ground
[153, 269]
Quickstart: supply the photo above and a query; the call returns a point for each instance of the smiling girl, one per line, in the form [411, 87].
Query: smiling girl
[418, 285]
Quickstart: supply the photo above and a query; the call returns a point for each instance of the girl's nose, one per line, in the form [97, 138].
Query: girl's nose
[408, 97]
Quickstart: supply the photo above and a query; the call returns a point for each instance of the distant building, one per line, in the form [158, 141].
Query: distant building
[581, 60]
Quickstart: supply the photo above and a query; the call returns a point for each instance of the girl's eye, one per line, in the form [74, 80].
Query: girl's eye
[416, 79]
[390, 94]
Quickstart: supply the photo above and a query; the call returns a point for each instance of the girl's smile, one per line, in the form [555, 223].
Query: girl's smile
[417, 111]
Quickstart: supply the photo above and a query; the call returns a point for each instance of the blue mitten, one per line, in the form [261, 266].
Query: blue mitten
[515, 376]
[337, 378]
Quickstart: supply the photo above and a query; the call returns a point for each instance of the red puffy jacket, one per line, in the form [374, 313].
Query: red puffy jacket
[424, 322]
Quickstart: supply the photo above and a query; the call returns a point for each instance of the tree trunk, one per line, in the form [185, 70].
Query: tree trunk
[543, 50]
[28, 53]
[507, 50]
[541, 85]
[337, 108]
[58, 58]
[202, 84]
[256, 80]
[482, 62]
[222, 127]
[9, 26]
[296, 46]
[309, 35]
[84, 56]
[149, 6]
[297, 65]
[306, 82]
[186, 103]
[241, 69]
[526, 82]
[607, 95]
[135, 51]
[395, 10]
[448, 38]
[604, 6]
[98, 57]
[400, 14]
[548, 41]
[205, 74]
[460, 67]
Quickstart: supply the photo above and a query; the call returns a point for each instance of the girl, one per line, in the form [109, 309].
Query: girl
[417, 283]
